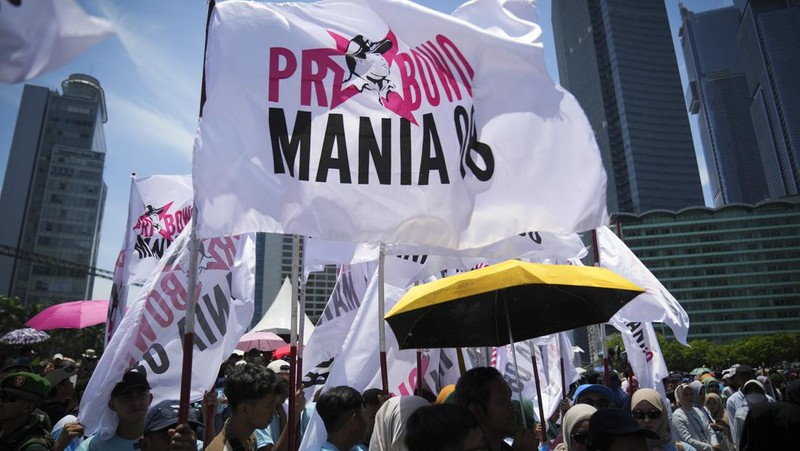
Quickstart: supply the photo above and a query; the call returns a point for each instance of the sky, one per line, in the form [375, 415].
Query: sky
[150, 70]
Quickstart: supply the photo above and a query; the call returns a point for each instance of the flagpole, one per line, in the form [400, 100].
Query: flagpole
[381, 322]
[542, 419]
[194, 248]
[293, 343]
[606, 372]
[516, 367]
[119, 299]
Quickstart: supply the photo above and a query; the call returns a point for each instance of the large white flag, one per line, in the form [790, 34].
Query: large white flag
[160, 208]
[41, 35]
[358, 364]
[149, 336]
[656, 303]
[644, 353]
[384, 121]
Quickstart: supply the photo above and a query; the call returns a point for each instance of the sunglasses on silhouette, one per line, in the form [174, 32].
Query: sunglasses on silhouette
[652, 414]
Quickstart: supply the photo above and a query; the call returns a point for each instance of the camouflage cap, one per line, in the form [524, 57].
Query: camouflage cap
[29, 386]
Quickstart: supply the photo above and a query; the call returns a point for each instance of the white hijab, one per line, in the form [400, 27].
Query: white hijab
[390, 423]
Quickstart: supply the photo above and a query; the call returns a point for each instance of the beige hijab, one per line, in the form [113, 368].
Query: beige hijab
[654, 398]
[720, 413]
[390, 423]
[575, 415]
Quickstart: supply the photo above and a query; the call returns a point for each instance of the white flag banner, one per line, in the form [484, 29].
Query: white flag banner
[159, 210]
[325, 343]
[358, 364]
[644, 353]
[149, 336]
[384, 121]
[656, 304]
[548, 358]
[42, 35]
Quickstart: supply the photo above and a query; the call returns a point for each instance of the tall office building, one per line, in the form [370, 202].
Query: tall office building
[734, 269]
[616, 57]
[718, 94]
[274, 264]
[53, 193]
[769, 38]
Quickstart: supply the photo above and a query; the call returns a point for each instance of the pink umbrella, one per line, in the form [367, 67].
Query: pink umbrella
[263, 341]
[70, 315]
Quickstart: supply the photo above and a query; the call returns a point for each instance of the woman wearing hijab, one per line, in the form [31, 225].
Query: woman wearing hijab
[719, 417]
[647, 408]
[575, 428]
[691, 424]
[390, 423]
[773, 425]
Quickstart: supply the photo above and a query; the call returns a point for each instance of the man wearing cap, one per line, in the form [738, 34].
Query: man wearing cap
[130, 399]
[162, 431]
[62, 382]
[616, 430]
[22, 426]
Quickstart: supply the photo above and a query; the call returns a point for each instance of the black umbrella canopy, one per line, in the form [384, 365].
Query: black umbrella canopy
[566, 298]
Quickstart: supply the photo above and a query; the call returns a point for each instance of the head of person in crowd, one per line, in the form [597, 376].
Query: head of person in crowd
[391, 420]
[699, 392]
[575, 427]
[484, 392]
[769, 390]
[159, 420]
[130, 399]
[647, 408]
[684, 396]
[21, 393]
[280, 368]
[616, 430]
[793, 393]
[372, 402]
[251, 392]
[595, 395]
[593, 377]
[342, 411]
[62, 382]
[715, 406]
[742, 374]
[712, 385]
[754, 392]
[778, 381]
[443, 427]
[281, 391]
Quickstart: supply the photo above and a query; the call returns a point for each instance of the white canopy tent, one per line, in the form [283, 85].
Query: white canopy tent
[278, 318]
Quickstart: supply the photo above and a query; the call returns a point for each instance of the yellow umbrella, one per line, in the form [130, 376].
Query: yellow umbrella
[488, 306]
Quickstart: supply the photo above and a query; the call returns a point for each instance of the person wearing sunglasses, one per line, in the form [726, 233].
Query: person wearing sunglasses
[22, 425]
[575, 428]
[647, 408]
[616, 430]
[595, 395]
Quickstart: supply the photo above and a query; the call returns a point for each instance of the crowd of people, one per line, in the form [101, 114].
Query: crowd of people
[743, 409]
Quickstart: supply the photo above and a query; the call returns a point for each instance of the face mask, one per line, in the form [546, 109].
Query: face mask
[755, 398]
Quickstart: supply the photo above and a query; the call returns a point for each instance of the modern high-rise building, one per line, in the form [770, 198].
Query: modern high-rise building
[53, 192]
[617, 58]
[734, 269]
[769, 38]
[274, 264]
[718, 94]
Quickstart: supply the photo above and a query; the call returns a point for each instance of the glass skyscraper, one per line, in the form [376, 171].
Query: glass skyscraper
[769, 38]
[53, 192]
[734, 269]
[616, 57]
[718, 94]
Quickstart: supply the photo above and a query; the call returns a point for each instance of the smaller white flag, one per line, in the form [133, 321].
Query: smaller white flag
[656, 304]
[644, 353]
[149, 337]
[41, 35]
[159, 209]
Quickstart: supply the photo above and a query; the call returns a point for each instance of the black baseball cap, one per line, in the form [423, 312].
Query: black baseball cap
[606, 424]
[744, 369]
[165, 415]
[132, 379]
